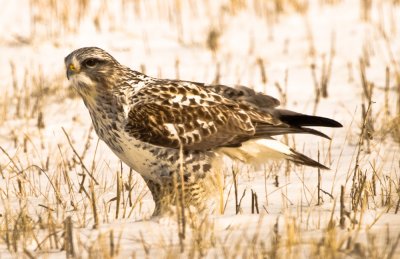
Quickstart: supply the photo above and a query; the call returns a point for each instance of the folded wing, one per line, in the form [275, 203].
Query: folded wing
[202, 117]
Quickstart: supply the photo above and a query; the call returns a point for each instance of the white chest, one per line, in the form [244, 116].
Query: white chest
[131, 151]
[136, 155]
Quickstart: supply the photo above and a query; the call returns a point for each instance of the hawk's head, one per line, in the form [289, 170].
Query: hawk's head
[91, 68]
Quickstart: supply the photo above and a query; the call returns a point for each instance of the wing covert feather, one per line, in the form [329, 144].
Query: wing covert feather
[186, 116]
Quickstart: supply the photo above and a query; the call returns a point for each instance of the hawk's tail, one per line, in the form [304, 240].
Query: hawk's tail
[259, 151]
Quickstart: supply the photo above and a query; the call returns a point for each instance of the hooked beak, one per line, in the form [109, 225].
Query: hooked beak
[71, 70]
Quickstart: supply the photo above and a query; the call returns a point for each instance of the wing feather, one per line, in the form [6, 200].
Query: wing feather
[189, 116]
[173, 113]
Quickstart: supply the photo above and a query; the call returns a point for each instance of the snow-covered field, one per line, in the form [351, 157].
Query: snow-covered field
[63, 193]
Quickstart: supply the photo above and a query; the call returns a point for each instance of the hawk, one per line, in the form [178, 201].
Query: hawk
[161, 126]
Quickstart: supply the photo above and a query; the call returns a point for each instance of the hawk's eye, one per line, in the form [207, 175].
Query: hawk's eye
[91, 62]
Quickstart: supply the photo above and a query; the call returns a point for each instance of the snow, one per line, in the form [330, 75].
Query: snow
[155, 37]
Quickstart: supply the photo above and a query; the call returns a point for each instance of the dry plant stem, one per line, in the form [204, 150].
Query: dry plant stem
[283, 92]
[213, 41]
[394, 247]
[310, 38]
[130, 187]
[29, 254]
[82, 186]
[392, 55]
[138, 200]
[88, 142]
[356, 167]
[235, 187]
[227, 198]
[56, 191]
[80, 159]
[7, 230]
[326, 72]
[69, 237]
[368, 88]
[365, 9]
[112, 244]
[180, 202]
[260, 63]
[398, 197]
[321, 86]
[11, 160]
[319, 185]
[317, 95]
[359, 193]
[119, 190]
[368, 132]
[93, 165]
[217, 74]
[179, 20]
[398, 96]
[254, 203]
[342, 207]
[177, 76]
[94, 206]
[387, 86]
[241, 199]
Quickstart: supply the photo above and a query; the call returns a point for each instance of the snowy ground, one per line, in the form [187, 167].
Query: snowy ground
[43, 183]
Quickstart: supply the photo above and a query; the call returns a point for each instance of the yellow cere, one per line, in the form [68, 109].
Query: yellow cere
[71, 67]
